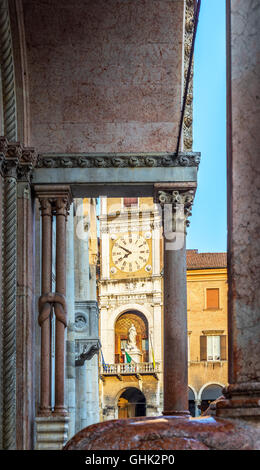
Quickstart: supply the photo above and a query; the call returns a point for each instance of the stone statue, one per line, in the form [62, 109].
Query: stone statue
[132, 337]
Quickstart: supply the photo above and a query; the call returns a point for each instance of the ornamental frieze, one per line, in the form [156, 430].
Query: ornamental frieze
[118, 161]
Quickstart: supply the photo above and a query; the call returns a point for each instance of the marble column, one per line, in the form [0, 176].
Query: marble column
[70, 342]
[243, 176]
[86, 325]
[45, 323]
[52, 425]
[9, 164]
[176, 205]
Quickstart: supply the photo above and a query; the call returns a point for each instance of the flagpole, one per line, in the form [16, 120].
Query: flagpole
[152, 350]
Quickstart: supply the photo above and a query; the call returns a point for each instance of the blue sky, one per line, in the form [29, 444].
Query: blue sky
[208, 227]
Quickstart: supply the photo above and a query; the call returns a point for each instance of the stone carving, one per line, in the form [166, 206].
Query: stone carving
[188, 114]
[80, 322]
[178, 199]
[131, 337]
[120, 161]
[7, 73]
[88, 352]
[9, 319]
[49, 301]
[16, 160]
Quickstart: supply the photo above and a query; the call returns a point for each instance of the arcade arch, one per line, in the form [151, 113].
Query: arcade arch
[131, 403]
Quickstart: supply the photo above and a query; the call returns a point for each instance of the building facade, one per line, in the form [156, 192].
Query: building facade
[207, 328]
[130, 303]
[131, 293]
[91, 102]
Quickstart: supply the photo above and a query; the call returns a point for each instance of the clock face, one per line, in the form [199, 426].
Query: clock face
[130, 253]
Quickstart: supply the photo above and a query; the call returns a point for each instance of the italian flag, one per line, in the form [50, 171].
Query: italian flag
[128, 358]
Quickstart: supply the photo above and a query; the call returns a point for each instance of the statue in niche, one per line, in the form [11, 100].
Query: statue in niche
[131, 344]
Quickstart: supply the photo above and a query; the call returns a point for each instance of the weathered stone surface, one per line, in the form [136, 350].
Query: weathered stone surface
[244, 195]
[104, 75]
[168, 433]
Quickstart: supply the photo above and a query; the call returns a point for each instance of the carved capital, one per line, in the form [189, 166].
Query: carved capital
[176, 206]
[56, 198]
[16, 161]
[61, 206]
[45, 206]
[10, 159]
[27, 162]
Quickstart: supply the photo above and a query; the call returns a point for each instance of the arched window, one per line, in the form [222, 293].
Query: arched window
[122, 326]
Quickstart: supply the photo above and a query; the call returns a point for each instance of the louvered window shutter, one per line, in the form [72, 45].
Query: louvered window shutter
[203, 348]
[212, 298]
[223, 348]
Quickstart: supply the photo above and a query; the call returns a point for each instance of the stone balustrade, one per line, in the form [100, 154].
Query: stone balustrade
[135, 368]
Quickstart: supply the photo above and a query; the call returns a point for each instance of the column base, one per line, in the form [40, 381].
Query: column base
[240, 401]
[180, 414]
[51, 432]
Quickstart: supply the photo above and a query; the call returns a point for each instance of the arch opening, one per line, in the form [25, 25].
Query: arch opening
[209, 394]
[122, 326]
[191, 402]
[131, 403]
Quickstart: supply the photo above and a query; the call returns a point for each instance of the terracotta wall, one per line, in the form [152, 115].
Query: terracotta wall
[104, 75]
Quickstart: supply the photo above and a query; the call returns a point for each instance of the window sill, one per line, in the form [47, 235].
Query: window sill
[212, 309]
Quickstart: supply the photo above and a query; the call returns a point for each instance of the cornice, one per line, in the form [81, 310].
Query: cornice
[118, 160]
[207, 274]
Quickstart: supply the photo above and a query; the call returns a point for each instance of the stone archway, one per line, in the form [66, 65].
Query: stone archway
[131, 403]
[122, 326]
[209, 394]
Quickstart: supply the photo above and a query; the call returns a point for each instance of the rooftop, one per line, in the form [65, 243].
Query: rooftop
[197, 260]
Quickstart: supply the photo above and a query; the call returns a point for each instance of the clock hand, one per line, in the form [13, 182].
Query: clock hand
[129, 252]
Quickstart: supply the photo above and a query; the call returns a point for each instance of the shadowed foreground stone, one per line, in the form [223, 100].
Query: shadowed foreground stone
[168, 433]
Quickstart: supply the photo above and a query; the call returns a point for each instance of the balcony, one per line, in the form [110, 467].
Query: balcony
[137, 369]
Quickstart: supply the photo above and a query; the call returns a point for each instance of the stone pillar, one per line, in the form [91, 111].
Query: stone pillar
[71, 371]
[45, 322]
[16, 163]
[86, 327]
[25, 321]
[55, 201]
[243, 175]
[176, 205]
[61, 205]
[11, 157]
[197, 410]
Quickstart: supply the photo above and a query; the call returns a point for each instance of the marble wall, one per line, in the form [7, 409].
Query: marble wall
[104, 75]
[243, 190]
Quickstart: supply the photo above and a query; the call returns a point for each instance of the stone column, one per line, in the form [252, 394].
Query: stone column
[197, 410]
[71, 371]
[10, 161]
[61, 205]
[25, 321]
[176, 205]
[16, 164]
[45, 320]
[243, 176]
[52, 425]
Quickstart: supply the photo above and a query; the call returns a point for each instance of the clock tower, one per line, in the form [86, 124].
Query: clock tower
[130, 296]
